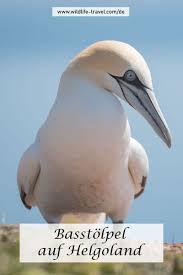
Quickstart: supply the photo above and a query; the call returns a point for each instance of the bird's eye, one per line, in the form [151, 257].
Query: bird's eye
[130, 76]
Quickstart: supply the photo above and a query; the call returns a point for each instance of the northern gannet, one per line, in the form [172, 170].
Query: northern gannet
[84, 162]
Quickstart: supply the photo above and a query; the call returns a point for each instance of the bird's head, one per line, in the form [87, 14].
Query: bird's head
[120, 69]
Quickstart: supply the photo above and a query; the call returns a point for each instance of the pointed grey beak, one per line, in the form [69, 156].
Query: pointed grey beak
[144, 101]
[149, 108]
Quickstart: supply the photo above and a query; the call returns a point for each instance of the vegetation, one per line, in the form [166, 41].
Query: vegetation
[9, 262]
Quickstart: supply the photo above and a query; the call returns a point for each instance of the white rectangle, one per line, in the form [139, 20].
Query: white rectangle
[90, 11]
[91, 243]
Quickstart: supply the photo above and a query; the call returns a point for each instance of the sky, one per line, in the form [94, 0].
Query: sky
[35, 48]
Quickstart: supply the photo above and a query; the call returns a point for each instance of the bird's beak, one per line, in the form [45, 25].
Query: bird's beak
[144, 101]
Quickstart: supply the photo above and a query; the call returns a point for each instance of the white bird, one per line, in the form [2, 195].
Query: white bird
[84, 166]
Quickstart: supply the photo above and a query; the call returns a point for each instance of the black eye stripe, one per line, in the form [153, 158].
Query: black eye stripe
[136, 82]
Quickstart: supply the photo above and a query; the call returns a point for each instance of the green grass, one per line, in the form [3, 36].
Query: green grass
[9, 262]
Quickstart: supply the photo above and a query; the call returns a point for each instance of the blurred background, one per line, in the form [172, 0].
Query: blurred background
[35, 48]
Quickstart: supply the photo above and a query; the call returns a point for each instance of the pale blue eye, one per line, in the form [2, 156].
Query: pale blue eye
[130, 76]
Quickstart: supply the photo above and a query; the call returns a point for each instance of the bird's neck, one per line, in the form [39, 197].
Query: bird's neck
[74, 81]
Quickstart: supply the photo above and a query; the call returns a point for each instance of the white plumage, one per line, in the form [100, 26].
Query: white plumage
[84, 165]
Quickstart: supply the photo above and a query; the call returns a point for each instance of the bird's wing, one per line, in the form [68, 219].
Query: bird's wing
[138, 166]
[28, 173]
